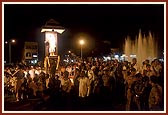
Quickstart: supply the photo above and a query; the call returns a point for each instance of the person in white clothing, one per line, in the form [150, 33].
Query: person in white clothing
[32, 72]
[38, 70]
[84, 85]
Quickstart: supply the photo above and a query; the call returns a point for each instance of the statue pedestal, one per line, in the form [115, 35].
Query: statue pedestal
[51, 64]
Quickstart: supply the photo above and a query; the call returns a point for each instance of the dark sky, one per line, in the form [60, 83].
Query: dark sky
[96, 22]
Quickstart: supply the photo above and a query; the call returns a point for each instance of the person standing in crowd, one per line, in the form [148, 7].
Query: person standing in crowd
[65, 83]
[100, 71]
[32, 72]
[97, 84]
[138, 89]
[146, 91]
[107, 86]
[155, 97]
[54, 90]
[47, 77]
[91, 76]
[54, 87]
[39, 92]
[84, 85]
[157, 67]
[32, 88]
[130, 80]
[52, 68]
[19, 74]
[69, 70]
[144, 64]
[54, 84]
[90, 73]
[42, 78]
[84, 89]
[135, 65]
[124, 68]
[148, 72]
[38, 70]
[75, 88]
[76, 82]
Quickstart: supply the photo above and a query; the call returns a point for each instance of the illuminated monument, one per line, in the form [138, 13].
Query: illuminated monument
[51, 30]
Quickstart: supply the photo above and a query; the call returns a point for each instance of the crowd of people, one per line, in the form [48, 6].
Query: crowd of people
[99, 83]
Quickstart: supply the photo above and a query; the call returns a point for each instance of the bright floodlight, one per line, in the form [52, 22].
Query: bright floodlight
[60, 31]
[81, 42]
[51, 38]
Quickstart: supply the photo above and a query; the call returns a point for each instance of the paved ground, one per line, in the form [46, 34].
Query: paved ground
[60, 104]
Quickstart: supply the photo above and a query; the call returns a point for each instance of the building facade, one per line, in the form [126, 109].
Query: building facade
[30, 53]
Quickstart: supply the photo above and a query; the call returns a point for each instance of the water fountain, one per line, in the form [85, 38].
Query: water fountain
[144, 47]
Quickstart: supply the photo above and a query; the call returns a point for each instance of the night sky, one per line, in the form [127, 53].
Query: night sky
[94, 22]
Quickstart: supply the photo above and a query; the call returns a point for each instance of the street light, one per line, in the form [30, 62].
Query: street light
[81, 43]
[10, 42]
[69, 51]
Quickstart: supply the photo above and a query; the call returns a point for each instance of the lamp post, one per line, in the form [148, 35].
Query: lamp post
[81, 43]
[10, 42]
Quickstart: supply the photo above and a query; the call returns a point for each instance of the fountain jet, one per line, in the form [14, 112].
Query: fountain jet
[144, 47]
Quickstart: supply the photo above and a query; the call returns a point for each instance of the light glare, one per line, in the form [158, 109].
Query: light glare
[51, 38]
[81, 42]
[13, 41]
[60, 31]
